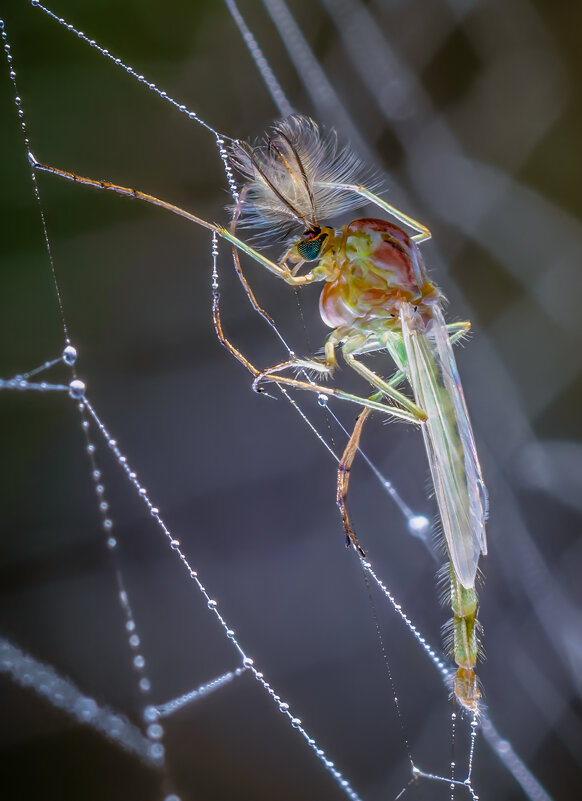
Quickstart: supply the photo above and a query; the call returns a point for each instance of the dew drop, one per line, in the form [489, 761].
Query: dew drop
[418, 524]
[155, 731]
[70, 355]
[157, 751]
[77, 389]
[86, 708]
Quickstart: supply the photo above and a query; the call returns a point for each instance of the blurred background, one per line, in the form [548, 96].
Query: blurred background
[473, 112]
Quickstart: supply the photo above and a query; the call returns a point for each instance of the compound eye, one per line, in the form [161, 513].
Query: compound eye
[309, 249]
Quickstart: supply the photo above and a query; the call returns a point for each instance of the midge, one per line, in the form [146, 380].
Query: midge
[377, 295]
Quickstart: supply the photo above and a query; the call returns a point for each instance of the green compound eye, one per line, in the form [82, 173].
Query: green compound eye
[309, 249]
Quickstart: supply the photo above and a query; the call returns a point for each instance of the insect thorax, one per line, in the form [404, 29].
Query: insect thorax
[371, 268]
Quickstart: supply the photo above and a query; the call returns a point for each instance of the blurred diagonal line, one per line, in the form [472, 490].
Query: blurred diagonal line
[61, 693]
[317, 85]
[521, 562]
[518, 769]
[552, 703]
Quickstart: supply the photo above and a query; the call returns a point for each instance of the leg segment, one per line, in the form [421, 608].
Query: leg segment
[385, 388]
[280, 270]
[343, 478]
[423, 232]
[237, 266]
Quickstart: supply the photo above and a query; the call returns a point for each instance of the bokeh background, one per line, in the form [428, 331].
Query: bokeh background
[473, 112]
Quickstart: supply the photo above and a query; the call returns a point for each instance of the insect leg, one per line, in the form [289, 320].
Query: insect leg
[280, 270]
[423, 232]
[237, 266]
[385, 387]
[343, 477]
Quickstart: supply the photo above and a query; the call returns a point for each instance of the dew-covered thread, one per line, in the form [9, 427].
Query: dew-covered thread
[247, 662]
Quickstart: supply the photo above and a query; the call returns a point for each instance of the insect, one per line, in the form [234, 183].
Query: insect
[377, 295]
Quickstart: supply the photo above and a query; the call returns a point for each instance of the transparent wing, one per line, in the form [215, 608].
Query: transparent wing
[450, 445]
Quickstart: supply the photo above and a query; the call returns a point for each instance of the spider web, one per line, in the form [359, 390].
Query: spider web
[309, 580]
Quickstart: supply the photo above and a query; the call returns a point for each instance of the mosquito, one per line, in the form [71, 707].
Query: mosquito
[377, 296]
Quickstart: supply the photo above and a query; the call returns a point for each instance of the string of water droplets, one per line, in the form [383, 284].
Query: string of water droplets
[77, 391]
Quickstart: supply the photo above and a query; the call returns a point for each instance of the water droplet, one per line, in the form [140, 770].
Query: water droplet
[139, 661]
[86, 708]
[213, 604]
[77, 389]
[157, 751]
[155, 731]
[322, 399]
[70, 355]
[150, 714]
[134, 640]
[107, 524]
[111, 543]
[90, 448]
[418, 524]
[248, 662]
[145, 685]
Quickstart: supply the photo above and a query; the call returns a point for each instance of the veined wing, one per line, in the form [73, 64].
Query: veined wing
[448, 436]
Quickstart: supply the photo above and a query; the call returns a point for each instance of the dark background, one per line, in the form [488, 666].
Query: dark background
[474, 112]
